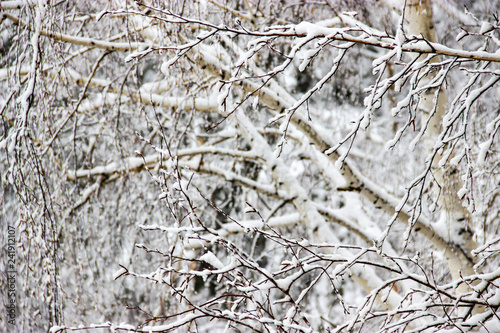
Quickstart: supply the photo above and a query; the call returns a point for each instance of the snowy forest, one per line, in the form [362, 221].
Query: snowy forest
[250, 166]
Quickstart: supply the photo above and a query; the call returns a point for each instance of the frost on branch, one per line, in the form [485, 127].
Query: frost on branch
[251, 166]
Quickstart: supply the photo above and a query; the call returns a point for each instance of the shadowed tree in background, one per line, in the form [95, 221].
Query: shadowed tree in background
[252, 165]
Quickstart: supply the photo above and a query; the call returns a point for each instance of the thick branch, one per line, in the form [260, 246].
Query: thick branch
[84, 41]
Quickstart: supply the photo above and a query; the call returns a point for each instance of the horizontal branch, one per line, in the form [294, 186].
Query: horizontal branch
[418, 46]
[314, 31]
[17, 4]
[84, 41]
[139, 163]
[146, 96]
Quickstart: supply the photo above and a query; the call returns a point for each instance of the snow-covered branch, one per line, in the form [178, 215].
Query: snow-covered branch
[251, 166]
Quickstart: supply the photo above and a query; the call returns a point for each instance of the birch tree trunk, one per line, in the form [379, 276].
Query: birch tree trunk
[432, 107]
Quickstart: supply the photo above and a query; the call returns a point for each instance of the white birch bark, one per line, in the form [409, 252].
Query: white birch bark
[418, 21]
